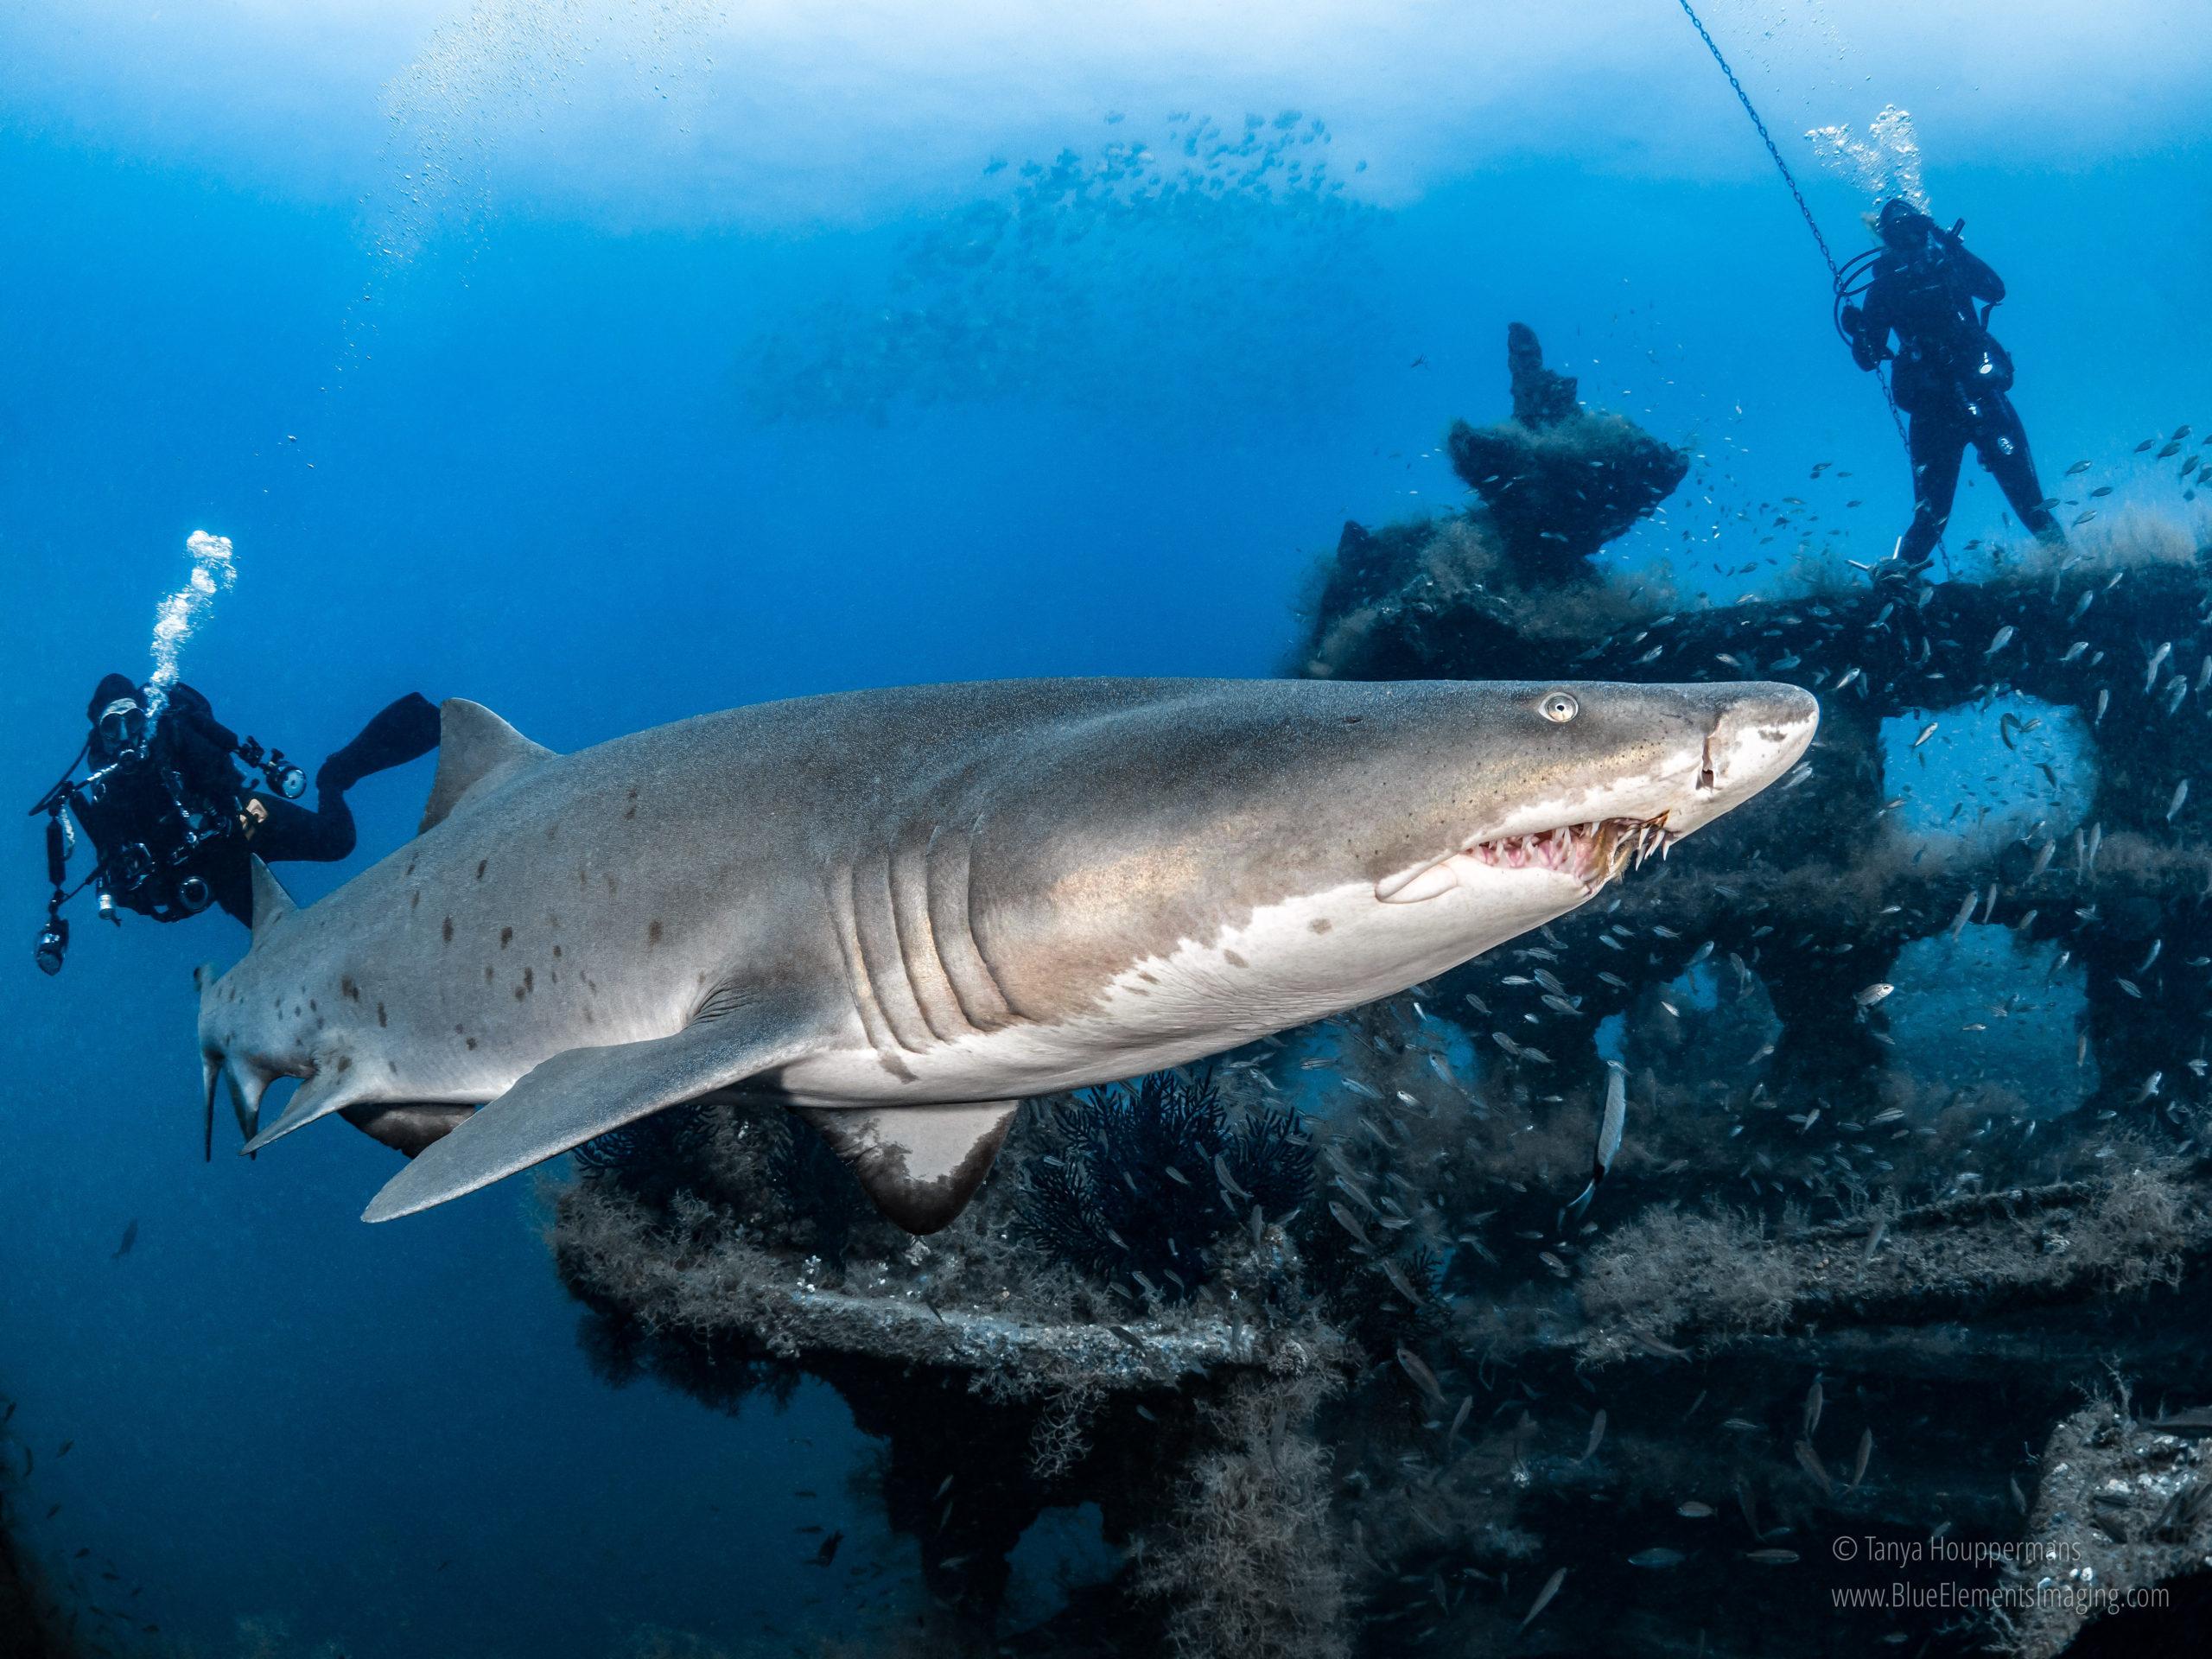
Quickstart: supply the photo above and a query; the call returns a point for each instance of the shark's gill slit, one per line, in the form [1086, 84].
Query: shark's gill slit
[918, 952]
[842, 925]
[944, 888]
[874, 921]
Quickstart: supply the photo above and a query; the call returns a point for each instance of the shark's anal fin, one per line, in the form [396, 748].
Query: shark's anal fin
[920, 1164]
[474, 745]
[581, 1093]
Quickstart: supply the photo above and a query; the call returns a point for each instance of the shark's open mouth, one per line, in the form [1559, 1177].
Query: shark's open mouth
[1594, 853]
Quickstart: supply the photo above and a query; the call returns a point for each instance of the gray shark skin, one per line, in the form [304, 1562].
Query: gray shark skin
[902, 912]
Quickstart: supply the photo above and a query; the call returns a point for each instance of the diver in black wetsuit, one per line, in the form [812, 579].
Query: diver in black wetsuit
[1951, 375]
[174, 825]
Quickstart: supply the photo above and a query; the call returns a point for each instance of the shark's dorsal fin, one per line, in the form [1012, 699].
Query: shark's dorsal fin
[919, 1164]
[473, 744]
[271, 903]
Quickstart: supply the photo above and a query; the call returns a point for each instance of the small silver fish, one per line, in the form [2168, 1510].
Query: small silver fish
[1544, 1597]
[1809, 1461]
[1417, 1369]
[1858, 1463]
[1597, 1435]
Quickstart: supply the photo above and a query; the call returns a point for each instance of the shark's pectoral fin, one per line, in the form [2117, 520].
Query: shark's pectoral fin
[581, 1093]
[920, 1164]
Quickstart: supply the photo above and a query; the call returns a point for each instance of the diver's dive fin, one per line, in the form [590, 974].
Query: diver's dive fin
[920, 1164]
[581, 1093]
[474, 746]
[271, 903]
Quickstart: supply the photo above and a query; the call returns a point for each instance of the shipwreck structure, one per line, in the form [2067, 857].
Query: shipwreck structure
[1317, 1331]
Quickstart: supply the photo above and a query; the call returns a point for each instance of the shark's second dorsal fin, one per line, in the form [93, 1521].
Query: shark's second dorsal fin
[473, 744]
[271, 903]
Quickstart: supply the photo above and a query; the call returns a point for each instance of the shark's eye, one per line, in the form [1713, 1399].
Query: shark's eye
[1560, 707]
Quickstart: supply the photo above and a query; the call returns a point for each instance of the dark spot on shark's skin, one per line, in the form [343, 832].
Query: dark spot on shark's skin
[392, 1066]
[311, 1006]
[895, 1067]
[506, 937]
[1353, 720]
[415, 899]
[519, 993]
[553, 919]
[487, 973]
[482, 864]
[590, 1019]
[348, 989]
[1234, 960]
[652, 932]
[449, 930]
[471, 1042]
[556, 953]
[345, 1062]
[409, 870]
[1320, 924]
[529, 980]
[381, 1019]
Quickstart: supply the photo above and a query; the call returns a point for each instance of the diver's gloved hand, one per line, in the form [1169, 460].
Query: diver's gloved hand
[1866, 353]
[1899, 580]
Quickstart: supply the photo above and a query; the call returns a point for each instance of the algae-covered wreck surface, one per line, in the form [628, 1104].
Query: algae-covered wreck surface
[1899, 1243]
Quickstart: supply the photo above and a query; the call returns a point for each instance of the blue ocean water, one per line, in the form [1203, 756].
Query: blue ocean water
[507, 383]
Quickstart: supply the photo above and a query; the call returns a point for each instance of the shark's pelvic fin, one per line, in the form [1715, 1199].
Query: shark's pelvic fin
[271, 903]
[474, 746]
[581, 1093]
[330, 1090]
[920, 1164]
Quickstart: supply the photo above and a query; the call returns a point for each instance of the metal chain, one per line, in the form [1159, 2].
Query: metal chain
[1835, 273]
[1765, 138]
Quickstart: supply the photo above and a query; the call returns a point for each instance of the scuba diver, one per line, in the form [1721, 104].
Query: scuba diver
[1951, 376]
[174, 824]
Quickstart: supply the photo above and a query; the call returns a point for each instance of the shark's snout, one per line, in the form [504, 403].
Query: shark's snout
[1759, 732]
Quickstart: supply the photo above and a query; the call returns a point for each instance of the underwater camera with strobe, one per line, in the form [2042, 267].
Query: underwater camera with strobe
[282, 776]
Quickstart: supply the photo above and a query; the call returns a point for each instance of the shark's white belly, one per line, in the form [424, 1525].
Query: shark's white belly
[1299, 960]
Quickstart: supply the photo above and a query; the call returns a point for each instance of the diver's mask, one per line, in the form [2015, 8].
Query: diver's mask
[119, 732]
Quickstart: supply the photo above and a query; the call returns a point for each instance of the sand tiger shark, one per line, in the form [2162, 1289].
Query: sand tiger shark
[900, 913]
